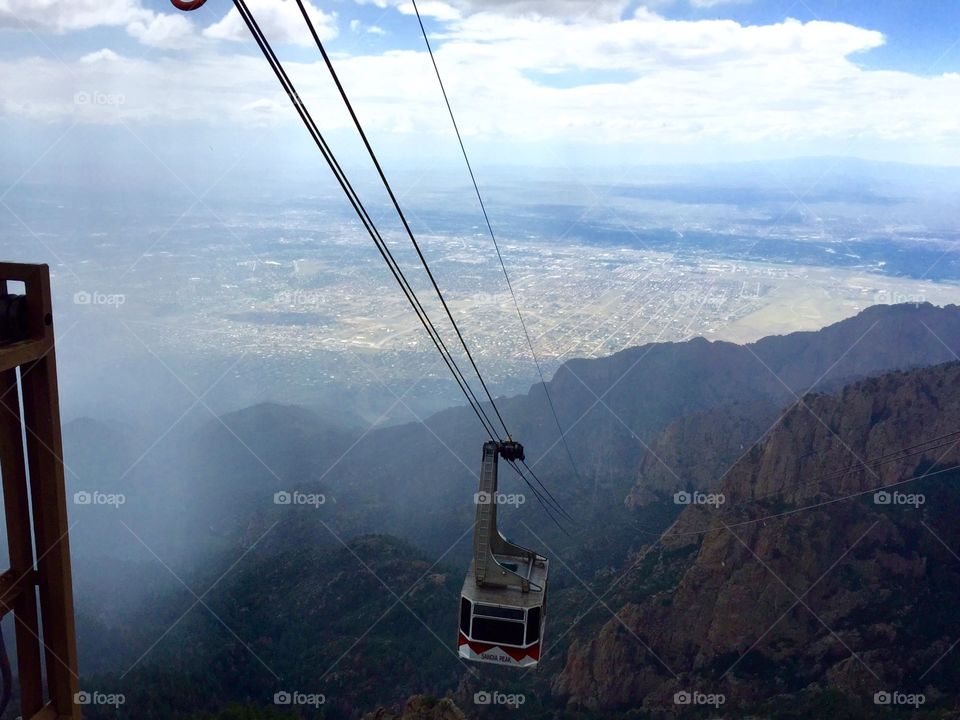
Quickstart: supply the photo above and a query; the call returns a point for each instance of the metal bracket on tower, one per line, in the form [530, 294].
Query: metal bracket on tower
[496, 559]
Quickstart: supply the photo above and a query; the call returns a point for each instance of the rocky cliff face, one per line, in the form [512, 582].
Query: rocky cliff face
[763, 376]
[805, 578]
[675, 460]
[420, 707]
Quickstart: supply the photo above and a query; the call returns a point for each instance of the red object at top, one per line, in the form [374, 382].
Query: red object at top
[187, 4]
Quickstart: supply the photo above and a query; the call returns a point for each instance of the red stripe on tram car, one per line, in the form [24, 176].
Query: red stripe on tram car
[518, 654]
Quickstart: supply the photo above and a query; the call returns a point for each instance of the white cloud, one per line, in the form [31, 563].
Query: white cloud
[431, 8]
[62, 16]
[568, 9]
[164, 31]
[357, 26]
[543, 80]
[651, 46]
[382, 4]
[714, 3]
[104, 55]
[448, 10]
[280, 21]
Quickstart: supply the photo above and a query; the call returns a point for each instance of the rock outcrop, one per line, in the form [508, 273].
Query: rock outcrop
[805, 577]
[420, 707]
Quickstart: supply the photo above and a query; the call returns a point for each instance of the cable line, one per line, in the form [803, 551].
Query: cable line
[493, 237]
[364, 216]
[937, 443]
[396, 205]
[823, 503]
[893, 456]
[277, 66]
[542, 496]
[556, 502]
[539, 497]
[369, 225]
[661, 536]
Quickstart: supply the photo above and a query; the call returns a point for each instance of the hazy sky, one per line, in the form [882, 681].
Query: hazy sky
[533, 81]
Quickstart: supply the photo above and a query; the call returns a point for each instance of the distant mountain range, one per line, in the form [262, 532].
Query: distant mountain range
[643, 424]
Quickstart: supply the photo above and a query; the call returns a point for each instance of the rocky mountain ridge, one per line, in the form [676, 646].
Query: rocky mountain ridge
[805, 579]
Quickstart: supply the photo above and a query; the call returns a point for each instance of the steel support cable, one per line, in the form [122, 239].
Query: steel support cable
[888, 457]
[719, 456]
[885, 458]
[861, 464]
[666, 534]
[940, 441]
[543, 500]
[539, 497]
[881, 460]
[794, 511]
[396, 205]
[556, 502]
[365, 219]
[817, 505]
[493, 237]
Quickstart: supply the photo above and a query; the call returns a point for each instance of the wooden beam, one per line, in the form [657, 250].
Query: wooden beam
[48, 712]
[23, 352]
[23, 272]
[12, 585]
[37, 529]
[41, 405]
[16, 505]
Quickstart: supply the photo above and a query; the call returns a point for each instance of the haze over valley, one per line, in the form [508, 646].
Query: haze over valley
[297, 292]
